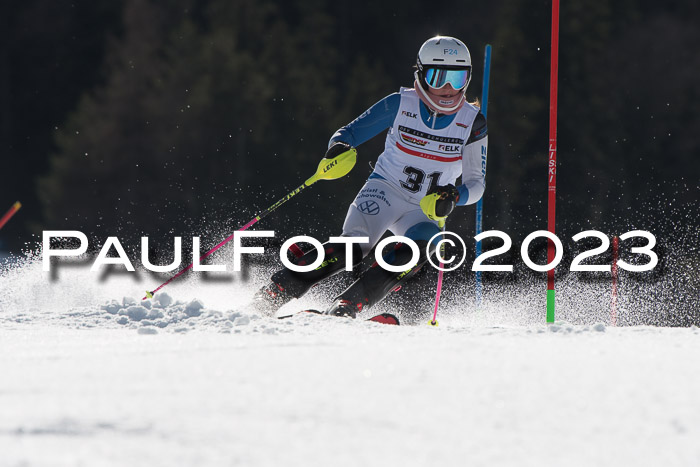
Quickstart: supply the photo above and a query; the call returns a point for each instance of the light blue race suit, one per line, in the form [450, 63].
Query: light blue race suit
[470, 151]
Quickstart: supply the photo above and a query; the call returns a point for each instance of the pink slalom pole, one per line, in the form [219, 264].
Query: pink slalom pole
[613, 299]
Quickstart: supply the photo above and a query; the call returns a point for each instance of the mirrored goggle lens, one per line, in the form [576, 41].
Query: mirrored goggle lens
[437, 78]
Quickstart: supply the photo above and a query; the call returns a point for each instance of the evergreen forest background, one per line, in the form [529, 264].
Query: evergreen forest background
[139, 117]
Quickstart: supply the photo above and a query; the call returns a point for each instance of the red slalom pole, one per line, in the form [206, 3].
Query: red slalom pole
[11, 212]
[613, 299]
[552, 167]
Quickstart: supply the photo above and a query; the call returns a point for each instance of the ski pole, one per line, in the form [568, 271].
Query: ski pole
[328, 169]
[434, 322]
[10, 212]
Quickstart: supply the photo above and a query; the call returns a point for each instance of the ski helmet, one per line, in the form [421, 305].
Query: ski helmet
[443, 60]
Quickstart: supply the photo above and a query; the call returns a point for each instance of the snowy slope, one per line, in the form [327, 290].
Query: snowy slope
[91, 378]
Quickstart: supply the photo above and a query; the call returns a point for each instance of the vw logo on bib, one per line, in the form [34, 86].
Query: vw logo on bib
[369, 207]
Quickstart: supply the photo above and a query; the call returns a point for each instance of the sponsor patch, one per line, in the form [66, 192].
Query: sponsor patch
[369, 207]
[433, 157]
[451, 148]
[439, 139]
[413, 140]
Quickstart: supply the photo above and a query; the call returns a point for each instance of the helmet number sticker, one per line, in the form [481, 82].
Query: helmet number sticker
[416, 177]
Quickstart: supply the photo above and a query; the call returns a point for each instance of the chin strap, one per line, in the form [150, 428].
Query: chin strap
[432, 103]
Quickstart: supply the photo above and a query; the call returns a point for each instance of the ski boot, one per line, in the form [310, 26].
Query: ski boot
[286, 284]
[375, 283]
[344, 308]
[270, 298]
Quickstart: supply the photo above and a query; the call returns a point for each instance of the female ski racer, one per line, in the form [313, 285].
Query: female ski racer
[434, 137]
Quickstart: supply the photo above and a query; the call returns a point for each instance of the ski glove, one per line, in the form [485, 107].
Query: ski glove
[439, 202]
[337, 149]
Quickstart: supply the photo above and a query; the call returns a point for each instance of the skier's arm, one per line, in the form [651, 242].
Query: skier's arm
[373, 121]
[474, 163]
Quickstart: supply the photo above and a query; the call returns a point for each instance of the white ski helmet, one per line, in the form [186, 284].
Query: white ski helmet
[443, 60]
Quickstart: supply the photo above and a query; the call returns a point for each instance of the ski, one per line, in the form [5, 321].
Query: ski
[384, 318]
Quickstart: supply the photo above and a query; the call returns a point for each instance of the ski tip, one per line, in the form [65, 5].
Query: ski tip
[385, 318]
[315, 312]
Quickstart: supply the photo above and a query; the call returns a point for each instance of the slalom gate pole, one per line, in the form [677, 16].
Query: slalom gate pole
[10, 212]
[552, 166]
[478, 224]
[328, 169]
[613, 298]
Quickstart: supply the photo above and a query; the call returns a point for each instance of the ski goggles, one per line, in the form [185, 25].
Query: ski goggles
[437, 78]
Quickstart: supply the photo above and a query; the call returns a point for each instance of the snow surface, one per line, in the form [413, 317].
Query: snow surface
[90, 377]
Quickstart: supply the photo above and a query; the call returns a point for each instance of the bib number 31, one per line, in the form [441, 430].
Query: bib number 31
[416, 177]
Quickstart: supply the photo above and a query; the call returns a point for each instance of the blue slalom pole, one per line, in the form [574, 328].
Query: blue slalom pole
[480, 203]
